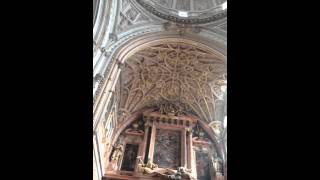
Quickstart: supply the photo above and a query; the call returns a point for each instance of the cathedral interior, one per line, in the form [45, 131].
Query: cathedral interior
[160, 89]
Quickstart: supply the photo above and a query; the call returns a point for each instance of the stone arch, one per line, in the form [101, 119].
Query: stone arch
[121, 53]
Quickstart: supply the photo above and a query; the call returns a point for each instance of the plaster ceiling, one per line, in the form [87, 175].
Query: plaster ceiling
[173, 72]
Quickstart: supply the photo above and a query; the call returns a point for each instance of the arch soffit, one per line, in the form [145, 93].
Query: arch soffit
[122, 53]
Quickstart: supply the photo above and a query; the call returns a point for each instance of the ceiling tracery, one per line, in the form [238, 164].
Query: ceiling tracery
[168, 63]
[173, 72]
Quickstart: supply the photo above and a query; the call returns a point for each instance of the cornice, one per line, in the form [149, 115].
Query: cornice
[202, 18]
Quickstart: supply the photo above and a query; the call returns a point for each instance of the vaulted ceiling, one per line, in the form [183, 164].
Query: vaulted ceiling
[169, 71]
[173, 72]
[138, 13]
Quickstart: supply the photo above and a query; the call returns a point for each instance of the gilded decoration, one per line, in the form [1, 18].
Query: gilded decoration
[171, 108]
[173, 72]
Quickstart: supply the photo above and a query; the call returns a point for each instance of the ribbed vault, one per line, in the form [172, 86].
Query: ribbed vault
[174, 72]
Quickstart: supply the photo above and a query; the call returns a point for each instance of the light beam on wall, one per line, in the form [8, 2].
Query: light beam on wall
[224, 5]
[223, 88]
[183, 13]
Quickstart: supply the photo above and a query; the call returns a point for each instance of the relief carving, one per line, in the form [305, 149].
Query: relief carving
[172, 72]
[136, 128]
[216, 127]
[218, 166]
[129, 15]
[152, 170]
[171, 108]
[118, 151]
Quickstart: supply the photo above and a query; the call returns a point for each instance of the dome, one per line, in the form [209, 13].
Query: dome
[189, 5]
[186, 11]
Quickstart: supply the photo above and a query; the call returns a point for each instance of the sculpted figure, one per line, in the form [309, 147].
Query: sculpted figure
[216, 127]
[152, 169]
[217, 163]
[117, 152]
[146, 168]
[181, 174]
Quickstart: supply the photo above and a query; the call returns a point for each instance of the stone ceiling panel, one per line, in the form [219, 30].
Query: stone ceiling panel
[174, 72]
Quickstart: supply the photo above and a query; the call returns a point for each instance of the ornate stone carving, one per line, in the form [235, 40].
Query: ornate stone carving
[152, 169]
[136, 128]
[174, 109]
[98, 83]
[219, 87]
[146, 168]
[181, 174]
[181, 29]
[172, 72]
[116, 155]
[200, 136]
[123, 22]
[218, 166]
[195, 17]
[129, 15]
[216, 127]
[118, 152]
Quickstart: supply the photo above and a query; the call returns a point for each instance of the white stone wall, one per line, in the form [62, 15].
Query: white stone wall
[95, 170]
